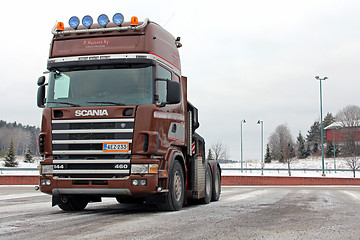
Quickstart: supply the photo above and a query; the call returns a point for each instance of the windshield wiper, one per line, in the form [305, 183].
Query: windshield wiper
[71, 104]
[114, 103]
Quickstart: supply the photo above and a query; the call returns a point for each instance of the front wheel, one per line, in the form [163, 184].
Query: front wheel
[174, 199]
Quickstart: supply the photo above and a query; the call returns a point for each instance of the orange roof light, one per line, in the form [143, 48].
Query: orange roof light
[134, 21]
[60, 26]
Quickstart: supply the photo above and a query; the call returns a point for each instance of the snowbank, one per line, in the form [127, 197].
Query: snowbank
[310, 167]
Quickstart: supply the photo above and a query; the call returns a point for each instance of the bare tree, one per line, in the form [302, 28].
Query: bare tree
[219, 151]
[350, 121]
[353, 163]
[278, 142]
[289, 155]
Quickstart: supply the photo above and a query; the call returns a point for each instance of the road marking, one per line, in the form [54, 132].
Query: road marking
[22, 195]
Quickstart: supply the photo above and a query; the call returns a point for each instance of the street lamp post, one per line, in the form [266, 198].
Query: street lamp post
[262, 145]
[322, 127]
[241, 143]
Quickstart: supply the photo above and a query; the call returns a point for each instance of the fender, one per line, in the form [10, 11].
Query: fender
[212, 164]
[171, 156]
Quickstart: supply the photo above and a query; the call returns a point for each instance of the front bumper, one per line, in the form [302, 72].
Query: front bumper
[107, 188]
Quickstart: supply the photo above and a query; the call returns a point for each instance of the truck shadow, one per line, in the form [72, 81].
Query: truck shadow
[125, 209]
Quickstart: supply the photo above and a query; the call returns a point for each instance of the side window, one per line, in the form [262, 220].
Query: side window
[164, 74]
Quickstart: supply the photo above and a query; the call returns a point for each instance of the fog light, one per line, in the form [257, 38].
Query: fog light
[45, 182]
[134, 182]
[103, 20]
[118, 19]
[87, 21]
[139, 182]
[74, 22]
[142, 182]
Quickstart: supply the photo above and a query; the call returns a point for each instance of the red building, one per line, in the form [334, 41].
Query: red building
[337, 130]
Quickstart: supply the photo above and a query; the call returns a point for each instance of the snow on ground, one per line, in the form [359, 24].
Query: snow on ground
[299, 168]
[13, 170]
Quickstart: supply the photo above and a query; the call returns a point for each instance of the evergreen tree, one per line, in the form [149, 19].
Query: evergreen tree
[314, 133]
[329, 151]
[301, 146]
[328, 119]
[10, 160]
[268, 157]
[315, 147]
[28, 156]
[308, 151]
[210, 156]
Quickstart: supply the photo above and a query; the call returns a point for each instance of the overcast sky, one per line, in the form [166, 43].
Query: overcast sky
[253, 60]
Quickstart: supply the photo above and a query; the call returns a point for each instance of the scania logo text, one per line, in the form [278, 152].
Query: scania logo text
[85, 113]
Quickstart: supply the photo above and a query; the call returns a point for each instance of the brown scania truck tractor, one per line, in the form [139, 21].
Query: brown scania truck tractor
[116, 120]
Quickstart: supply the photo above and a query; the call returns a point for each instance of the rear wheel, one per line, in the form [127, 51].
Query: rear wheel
[208, 185]
[174, 199]
[73, 203]
[216, 190]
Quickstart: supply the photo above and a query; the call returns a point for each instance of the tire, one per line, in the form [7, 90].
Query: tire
[208, 185]
[73, 203]
[216, 189]
[174, 199]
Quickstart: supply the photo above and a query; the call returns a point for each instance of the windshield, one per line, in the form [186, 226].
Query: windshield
[125, 86]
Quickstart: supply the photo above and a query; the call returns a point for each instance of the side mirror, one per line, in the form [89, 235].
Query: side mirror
[41, 92]
[173, 92]
[41, 81]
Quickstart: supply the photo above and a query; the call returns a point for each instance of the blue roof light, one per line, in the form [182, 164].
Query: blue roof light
[118, 19]
[103, 20]
[74, 22]
[87, 21]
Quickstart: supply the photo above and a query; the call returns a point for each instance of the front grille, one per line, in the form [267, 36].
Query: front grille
[78, 148]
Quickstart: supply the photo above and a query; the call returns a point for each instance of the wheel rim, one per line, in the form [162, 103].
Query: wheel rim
[177, 186]
[208, 183]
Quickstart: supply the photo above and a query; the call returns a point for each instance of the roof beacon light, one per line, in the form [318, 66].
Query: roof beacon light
[134, 21]
[60, 26]
[103, 20]
[118, 19]
[87, 21]
[74, 22]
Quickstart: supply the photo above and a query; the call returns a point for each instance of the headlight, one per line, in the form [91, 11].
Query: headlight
[144, 168]
[47, 169]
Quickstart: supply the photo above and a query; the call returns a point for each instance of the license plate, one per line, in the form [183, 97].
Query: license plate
[115, 147]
